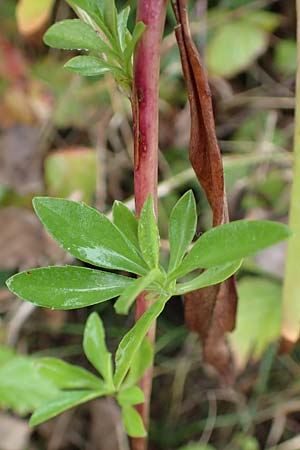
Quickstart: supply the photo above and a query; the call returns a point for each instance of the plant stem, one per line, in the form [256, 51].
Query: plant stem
[145, 122]
[291, 289]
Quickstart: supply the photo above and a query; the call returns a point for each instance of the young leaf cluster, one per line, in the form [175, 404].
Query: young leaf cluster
[132, 245]
[76, 385]
[102, 32]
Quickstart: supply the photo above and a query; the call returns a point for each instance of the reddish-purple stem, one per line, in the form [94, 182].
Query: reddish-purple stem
[145, 122]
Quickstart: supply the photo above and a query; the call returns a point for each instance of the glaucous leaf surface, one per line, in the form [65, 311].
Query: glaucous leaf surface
[67, 376]
[209, 277]
[95, 348]
[88, 235]
[88, 66]
[132, 341]
[140, 363]
[64, 401]
[148, 234]
[232, 242]
[133, 290]
[74, 34]
[133, 422]
[131, 396]
[67, 287]
[182, 228]
[126, 221]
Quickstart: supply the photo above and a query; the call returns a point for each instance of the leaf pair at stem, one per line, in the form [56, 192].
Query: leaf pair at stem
[132, 245]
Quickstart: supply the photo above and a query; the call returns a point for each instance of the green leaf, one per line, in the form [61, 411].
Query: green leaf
[182, 228]
[209, 277]
[88, 66]
[136, 35]
[148, 234]
[72, 170]
[74, 34]
[122, 26]
[131, 396]
[227, 56]
[32, 15]
[22, 389]
[88, 235]
[140, 363]
[132, 341]
[266, 20]
[196, 446]
[67, 287]
[285, 57]
[126, 221]
[64, 401]
[67, 376]
[95, 348]
[258, 318]
[133, 422]
[231, 242]
[132, 291]
[110, 16]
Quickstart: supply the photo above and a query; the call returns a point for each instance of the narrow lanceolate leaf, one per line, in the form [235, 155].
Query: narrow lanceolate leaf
[182, 228]
[231, 242]
[67, 376]
[122, 26]
[132, 291]
[133, 422]
[148, 234]
[126, 222]
[74, 34]
[110, 16]
[131, 396]
[95, 348]
[88, 66]
[140, 363]
[88, 235]
[136, 35]
[67, 287]
[209, 277]
[132, 341]
[66, 400]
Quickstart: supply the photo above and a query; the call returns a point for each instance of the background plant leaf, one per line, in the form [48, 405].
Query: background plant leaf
[258, 319]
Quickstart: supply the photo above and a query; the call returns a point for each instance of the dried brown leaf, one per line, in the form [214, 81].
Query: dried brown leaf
[211, 311]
